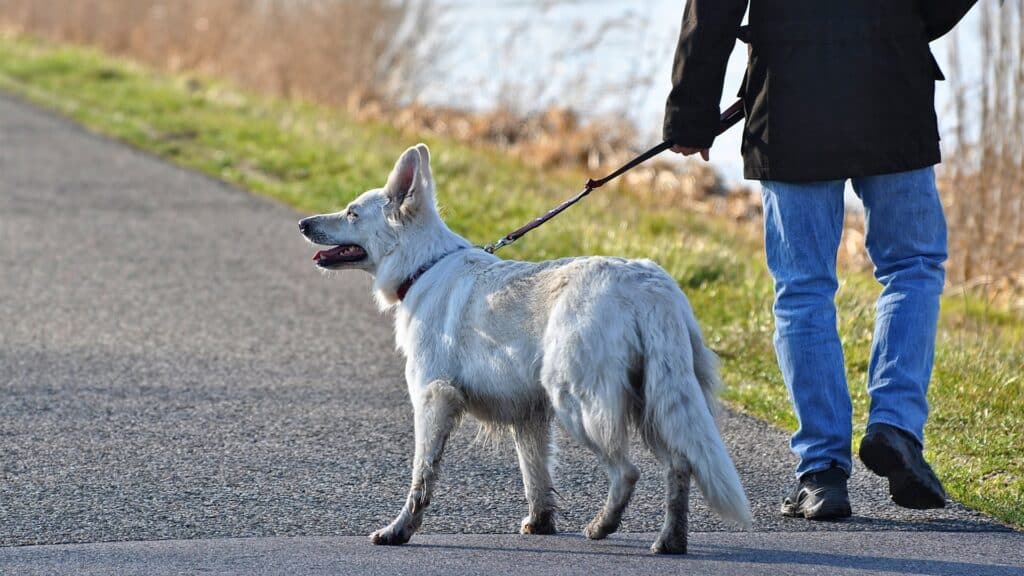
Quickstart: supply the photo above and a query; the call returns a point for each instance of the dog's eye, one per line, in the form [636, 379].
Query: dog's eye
[352, 216]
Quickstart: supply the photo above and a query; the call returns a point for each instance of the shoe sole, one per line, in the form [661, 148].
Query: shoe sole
[837, 512]
[907, 489]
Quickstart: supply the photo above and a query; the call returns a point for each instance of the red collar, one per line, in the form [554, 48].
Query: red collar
[405, 286]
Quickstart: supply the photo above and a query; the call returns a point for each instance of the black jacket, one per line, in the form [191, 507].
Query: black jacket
[834, 88]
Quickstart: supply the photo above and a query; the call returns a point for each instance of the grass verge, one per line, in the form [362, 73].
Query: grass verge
[316, 160]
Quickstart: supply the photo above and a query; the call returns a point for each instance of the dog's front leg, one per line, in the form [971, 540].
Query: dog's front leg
[437, 411]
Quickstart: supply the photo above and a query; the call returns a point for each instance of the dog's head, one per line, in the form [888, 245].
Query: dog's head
[374, 225]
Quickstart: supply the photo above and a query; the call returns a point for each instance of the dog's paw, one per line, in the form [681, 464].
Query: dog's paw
[537, 526]
[670, 545]
[598, 529]
[390, 537]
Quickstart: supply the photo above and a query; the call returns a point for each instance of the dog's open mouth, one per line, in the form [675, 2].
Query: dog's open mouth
[344, 254]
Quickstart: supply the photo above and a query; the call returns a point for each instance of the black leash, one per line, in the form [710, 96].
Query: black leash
[731, 116]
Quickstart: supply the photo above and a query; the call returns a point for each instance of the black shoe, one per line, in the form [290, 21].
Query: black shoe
[819, 496]
[895, 454]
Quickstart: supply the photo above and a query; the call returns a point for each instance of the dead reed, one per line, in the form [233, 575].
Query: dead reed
[328, 51]
[982, 181]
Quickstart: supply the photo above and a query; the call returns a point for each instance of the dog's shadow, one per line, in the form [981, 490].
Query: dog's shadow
[527, 550]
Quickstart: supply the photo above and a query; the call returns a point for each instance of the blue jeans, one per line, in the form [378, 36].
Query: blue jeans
[906, 240]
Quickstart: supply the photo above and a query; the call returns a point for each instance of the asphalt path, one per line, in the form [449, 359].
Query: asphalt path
[720, 553]
[172, 367]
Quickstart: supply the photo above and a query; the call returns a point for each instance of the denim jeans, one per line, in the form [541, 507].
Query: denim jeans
[906, 240]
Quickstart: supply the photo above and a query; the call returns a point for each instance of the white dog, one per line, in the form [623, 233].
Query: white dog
[602, 343]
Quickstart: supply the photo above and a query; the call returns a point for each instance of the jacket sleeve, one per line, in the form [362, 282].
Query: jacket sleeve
[707, 38]
[940, 16]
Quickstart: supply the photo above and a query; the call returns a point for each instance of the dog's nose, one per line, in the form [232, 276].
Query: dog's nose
[304, 225]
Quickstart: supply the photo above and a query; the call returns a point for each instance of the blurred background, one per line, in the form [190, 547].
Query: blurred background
[569, 83]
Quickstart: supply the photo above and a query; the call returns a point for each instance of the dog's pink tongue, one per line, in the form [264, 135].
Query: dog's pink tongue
[333, 252]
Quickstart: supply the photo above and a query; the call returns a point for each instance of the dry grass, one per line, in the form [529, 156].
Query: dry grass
[558, 138]
[329, 51]
[983, 179]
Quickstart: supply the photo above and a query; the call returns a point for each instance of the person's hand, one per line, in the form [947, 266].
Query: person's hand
[687, 151]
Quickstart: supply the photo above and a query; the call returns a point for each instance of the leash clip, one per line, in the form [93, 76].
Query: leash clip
[494, 247]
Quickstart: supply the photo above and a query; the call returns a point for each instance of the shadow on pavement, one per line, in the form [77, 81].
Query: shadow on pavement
[706, 553]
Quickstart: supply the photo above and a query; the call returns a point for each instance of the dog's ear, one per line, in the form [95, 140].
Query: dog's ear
[403, 179]
[425, 173]
[410, 186]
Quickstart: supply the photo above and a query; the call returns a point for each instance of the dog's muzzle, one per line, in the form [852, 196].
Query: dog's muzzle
[338, 256]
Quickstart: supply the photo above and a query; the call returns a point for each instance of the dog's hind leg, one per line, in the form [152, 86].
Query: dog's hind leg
[622, 477]
[672, 539]
[609, 440]
[533, 444]
[437, 411]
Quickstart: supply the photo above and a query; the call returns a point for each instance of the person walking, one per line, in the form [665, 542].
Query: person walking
[836, 91]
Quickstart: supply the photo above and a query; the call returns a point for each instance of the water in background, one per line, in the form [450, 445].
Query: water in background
[595, 56]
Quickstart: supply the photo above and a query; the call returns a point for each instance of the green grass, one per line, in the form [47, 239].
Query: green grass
[317, 159]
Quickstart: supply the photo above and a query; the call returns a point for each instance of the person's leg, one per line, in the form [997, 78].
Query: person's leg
[803, 226]
[906, 239]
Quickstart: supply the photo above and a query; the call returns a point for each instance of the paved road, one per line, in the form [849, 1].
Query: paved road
[721, 553]
[172, 367]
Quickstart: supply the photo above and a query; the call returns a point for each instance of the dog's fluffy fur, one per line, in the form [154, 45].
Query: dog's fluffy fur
[601, 344]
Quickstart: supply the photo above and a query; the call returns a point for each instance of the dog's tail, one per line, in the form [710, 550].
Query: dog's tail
[681, 409]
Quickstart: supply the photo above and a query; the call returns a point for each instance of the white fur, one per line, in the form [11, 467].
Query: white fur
[603, 344]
